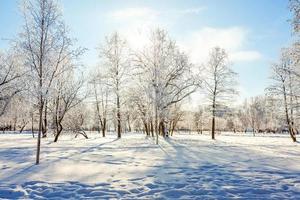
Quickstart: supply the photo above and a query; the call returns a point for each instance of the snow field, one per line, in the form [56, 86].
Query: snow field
[185, 166]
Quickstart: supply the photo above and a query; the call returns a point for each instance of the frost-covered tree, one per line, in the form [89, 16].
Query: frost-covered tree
[45, 45]
[219, 82]
[166, 75]
[10, 78]
[281, 88]
[175, 116]
[256, 113]
[102, 94]
[199, 119]
[114, 54]
[295, 9]
[68, 95]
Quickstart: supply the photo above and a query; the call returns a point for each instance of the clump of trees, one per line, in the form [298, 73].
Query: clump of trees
[43, 87]
[286, 77]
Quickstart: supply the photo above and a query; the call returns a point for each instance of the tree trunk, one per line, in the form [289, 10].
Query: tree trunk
[23, 126]
[40, 131]
[213, 124]
[213, 128]
[129, 126]
[103, 127]
[118, 118]
[58, 131]
[32, 121]
[174, 124]
[45, 124]
[146, 128]
[152, 129]
[162, 128]
[83, 133]
[213, 112]
[290, 127]
[15, 124]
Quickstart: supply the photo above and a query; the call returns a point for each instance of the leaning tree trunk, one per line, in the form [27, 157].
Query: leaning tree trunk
[146, 128]
[59, 129]
[287, 116]
[23, 126]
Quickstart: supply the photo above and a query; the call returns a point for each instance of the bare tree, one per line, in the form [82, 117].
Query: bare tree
[167, 74]
[175, 116]
[280, 87]
[199, 120]
[114, 54]
[68, 96]
[143, 106]
[256, 113]
[76, 120]
[295, 9]
[45, 45]
[102, 93]
[219, 82]
[10, 75]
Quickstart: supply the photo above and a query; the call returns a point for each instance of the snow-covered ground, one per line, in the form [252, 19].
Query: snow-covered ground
[182, 167]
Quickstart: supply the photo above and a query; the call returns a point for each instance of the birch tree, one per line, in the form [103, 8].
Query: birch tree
[115, 59]
[102, 95]
[219, 82]
[45, 45]
[280, 88]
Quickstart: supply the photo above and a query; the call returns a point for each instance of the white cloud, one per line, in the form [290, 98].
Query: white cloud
[187, 11]
[136, 23]
[133, 13]
[233, 39]
[149, 13]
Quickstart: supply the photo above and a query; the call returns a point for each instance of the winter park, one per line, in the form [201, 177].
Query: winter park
[149, 99]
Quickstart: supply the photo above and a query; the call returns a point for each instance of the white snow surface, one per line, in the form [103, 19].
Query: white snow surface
[185, 166]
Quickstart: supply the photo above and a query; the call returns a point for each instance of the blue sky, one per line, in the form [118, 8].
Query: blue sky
[253, 31]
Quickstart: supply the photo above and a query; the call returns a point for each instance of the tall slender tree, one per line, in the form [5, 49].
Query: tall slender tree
[219, 82]
[45, 45]
[116, 67]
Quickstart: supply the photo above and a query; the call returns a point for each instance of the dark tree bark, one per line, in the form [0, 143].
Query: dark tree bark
[45, 121]
[103, 127]
[32, 121]
[118, 118]
[288, 121]
[23, 125]
[128, 121]
[59, 129]
[213, 124]
[152, 128]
